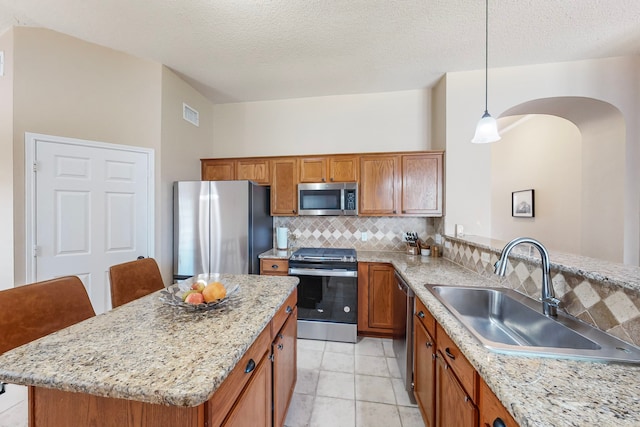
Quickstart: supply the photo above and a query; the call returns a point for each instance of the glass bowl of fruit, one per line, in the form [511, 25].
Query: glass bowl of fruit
[201, 293]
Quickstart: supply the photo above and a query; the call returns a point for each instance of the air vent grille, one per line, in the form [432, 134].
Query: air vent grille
[190, 114]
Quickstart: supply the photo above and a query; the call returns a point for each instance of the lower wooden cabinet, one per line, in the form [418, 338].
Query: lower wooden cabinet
[454, 406]
[492, 411]
[424, 373]
[284, 367]
[253, 407]
[274, 266]
[376, 286]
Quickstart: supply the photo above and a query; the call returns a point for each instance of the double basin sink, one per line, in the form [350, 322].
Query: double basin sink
[506, 321]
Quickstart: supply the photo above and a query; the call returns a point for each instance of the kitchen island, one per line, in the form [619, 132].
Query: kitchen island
[149, 363]
[537, 391]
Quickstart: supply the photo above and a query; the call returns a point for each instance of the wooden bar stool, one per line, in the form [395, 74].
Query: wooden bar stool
[32, 311]
[134, 279]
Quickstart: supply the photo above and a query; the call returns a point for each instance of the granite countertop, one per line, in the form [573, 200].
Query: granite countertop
[150, 351]
[537, 391]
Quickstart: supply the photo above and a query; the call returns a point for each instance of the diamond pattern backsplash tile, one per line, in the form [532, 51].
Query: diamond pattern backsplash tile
[609, 307]
[382, 233]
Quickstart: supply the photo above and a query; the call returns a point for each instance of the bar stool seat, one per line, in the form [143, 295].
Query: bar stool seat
[134, 279]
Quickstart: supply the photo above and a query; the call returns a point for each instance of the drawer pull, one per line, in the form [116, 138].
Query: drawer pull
[280, 336]
[420, 314]
[429, 344]
[499, 423]
[289, 310]
[449, 354]
[280, 346]
[274, 266]
[250, 367]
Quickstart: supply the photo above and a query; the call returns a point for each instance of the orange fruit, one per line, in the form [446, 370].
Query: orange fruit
[214, 291]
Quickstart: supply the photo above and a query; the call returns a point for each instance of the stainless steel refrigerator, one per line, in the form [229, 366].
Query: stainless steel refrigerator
[219, 227]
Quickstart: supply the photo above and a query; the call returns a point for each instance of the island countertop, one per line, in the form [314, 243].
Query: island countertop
[149, 351]
[538, 391]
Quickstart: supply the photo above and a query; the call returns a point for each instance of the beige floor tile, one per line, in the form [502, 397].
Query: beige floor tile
[387, 345]
[309, 359]
[332, 412]
[338, 362]
[314, 345]
[340, 347]
[374, 389]
[15, 416]
[370, 347]
[372, 365]
[300, 410]
[394, 369]
[410, 417]
[307, 381]
[402, 395]
[336, 384]
[369, 414]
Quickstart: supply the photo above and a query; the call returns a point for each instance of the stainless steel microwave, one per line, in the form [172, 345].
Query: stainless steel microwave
[336, 198]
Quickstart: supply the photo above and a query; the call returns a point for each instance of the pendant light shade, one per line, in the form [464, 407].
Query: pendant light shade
[487, 128]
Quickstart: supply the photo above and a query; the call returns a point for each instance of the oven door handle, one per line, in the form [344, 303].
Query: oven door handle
[320, 272]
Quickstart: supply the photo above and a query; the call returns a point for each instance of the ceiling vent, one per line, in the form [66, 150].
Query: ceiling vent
[191, 115]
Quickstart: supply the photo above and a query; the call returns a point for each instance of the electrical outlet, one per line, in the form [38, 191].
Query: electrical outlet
[364, 236]
[447, 244]
[438, 239]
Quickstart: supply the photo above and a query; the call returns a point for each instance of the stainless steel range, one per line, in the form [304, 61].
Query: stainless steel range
[327, 293]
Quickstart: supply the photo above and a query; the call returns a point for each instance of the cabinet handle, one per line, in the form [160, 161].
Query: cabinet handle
[448, 353]
[274, 266]
[280, 336]
[280, 346]
[404, 211]
[331, 178]
[293, 211]
[420, 314]
[289, 310]
[429, 344]
[250, 367]
[394, 211]
[498, 423]
[323, 180]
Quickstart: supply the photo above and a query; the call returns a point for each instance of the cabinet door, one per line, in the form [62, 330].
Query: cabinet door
[379, 185]
[253, 407]
[424, 375]
[284, 187]
[422, 177]
[218, 169]
[256, 170]
[284, 368]
[492, 410]
[313, 169]
[453, 406]
[343, 169]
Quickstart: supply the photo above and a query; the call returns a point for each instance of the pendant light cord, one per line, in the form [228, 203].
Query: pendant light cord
[486, 57]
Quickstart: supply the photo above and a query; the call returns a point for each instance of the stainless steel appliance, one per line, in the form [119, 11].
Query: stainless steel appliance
[327, 293]
[219, 227]
[336, 198]
[404, 299]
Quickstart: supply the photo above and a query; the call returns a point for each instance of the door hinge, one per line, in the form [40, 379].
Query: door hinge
[36, 251]
[35, 166]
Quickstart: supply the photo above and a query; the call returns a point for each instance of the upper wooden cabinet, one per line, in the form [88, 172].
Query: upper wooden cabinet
[256, 170]
[379, 185]
[422, 184]
[329, 169]
[218, 169]
[284, 186]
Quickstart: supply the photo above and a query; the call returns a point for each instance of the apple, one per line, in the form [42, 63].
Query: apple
[198, 286]
[194, 298]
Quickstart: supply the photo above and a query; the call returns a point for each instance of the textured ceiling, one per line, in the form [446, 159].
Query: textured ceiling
[248, 50]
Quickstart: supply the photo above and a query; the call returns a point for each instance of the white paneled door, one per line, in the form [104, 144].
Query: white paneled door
[92, 209]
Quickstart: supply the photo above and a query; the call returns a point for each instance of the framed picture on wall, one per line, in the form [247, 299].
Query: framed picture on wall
[522, 204]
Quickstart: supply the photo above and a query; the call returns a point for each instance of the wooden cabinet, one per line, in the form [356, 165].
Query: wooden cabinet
[218, 169]
[424, 374]
[454, 406]
[338, 168]
[274, 266]
[379, 185]
[422, 176]
[491, 409]
[284, 367]
[257, 170]
[376, 286]
[253, 407]
[284, 187]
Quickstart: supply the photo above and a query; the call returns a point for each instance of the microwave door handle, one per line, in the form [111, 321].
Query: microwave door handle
[342, 197]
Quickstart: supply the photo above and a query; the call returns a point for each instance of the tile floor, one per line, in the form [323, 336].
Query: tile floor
[350, 385]
[339, 385]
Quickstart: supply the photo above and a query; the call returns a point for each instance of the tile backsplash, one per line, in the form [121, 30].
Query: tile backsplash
[609, 307]
[382, 233]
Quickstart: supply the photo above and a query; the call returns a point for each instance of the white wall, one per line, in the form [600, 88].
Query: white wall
[543, 153]
[378, 122]
[615, 81]
[6, 163]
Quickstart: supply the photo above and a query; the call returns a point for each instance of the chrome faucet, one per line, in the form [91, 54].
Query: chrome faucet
[549, 301]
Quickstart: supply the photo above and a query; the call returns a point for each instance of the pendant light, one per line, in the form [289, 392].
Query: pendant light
[487, 129]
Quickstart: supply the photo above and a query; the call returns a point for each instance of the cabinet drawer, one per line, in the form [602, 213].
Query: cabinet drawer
[284, 312]
[274, 267]
[226, 395]
[465, 372]
[425, 317]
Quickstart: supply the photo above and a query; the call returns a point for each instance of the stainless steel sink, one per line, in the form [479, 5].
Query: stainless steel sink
[507, 321]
